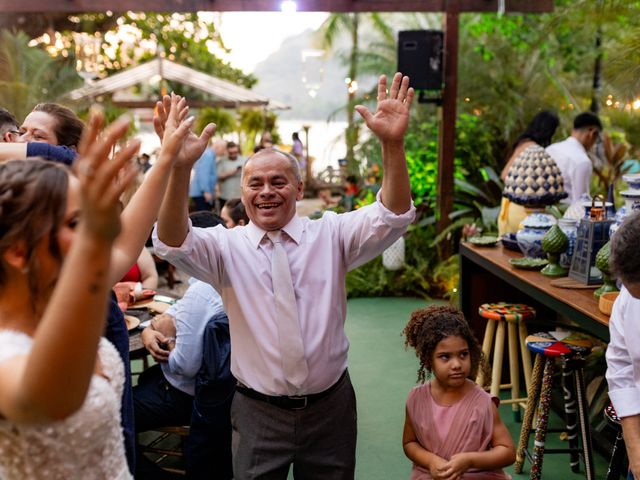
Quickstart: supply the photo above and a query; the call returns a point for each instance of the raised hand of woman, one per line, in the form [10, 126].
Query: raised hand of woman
[102, 181]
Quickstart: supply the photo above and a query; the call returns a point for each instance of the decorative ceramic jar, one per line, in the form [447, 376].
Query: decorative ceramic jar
[576, 209]
[554, 243]
[633, 180]
[534, 179]
[620, 214]
[393, 257]
[631, 200]
[569, 226]
[535, 227]
[602, 264]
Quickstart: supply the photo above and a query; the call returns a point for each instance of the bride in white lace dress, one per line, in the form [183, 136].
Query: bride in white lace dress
[60, 384]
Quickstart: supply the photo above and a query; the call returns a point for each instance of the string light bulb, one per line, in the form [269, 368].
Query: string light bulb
[288, 6]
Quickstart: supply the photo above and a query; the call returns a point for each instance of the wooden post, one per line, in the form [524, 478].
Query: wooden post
[308, 174]
[446, 151]
[75, 6]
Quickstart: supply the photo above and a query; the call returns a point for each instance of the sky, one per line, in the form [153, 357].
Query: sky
[253, 36]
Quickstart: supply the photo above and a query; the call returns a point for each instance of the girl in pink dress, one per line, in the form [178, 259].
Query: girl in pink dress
[452, 428]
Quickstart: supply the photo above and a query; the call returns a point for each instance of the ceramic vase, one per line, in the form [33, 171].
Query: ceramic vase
[393, 257]
[602, 264]
[569, 226]
[529, 238]
[631, 200]
[632, 180]
[554, 243]
[620, 215]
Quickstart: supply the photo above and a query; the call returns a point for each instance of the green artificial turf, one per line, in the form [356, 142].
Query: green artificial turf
[383, 372]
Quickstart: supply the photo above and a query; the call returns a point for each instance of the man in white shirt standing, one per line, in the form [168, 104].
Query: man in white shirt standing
[295, 403]
[571, 155]
[623, 352]
[229, 170]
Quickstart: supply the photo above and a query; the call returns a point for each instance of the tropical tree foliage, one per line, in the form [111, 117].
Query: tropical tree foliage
[30, 75]
[513, 66]
[337, 26]
[252, 122]
[510, 68]
[188, 39]
[224, 119]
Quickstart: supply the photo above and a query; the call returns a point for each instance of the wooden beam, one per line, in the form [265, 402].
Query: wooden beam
[192, 104]
[447, 147]
[74, 6]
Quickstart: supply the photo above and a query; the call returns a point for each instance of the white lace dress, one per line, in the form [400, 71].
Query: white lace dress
[87, 445]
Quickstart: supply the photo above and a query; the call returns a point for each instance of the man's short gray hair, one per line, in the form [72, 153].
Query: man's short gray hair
[293, 161]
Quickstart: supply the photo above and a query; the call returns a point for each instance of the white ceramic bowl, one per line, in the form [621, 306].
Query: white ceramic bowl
[633, 180]
[631, 200]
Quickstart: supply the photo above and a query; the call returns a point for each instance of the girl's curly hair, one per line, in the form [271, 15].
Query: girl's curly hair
[428, 326]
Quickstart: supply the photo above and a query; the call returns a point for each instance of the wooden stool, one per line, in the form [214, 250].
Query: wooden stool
[618, 464]
[512, 316]
[571, 351]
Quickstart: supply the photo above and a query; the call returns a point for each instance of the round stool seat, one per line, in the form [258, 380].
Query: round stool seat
[611, 415]
[558, 344]
[511, 312]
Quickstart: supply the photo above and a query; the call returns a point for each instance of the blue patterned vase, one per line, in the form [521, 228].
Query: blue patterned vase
[570, 227]
[620, 214]
[529, 238]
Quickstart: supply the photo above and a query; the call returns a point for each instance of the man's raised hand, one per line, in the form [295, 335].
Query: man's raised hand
[170, 115]
[389, 122]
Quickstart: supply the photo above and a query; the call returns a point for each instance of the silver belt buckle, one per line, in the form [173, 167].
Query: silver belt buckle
[297, 397]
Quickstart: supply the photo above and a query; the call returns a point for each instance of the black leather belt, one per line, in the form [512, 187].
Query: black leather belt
[297, 402]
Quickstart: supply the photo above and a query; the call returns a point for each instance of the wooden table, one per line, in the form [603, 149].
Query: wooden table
[487, 276]
[136, 347]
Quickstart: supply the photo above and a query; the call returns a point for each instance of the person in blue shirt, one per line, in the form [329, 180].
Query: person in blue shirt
[203, 181]
[165, 392]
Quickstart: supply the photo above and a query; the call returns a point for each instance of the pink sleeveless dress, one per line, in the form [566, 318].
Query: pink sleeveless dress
[466, 426]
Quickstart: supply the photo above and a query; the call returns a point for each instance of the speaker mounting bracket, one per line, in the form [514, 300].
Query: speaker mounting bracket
[430, 96]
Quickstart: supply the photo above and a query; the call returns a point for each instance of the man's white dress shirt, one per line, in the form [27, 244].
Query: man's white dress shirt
[237, 262]
[623, 355]
[575, 165]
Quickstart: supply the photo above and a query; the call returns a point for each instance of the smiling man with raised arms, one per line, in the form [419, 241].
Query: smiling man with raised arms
[282, 281]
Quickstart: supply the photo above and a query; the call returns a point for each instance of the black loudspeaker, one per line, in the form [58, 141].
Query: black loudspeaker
[420, 57]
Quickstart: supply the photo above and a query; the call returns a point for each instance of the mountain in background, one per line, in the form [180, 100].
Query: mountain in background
[291, 72]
